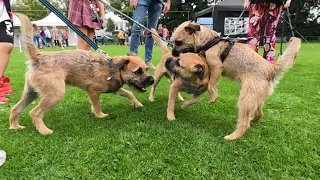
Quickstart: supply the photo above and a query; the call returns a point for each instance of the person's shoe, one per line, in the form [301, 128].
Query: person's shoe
[132, 54]
[3, 157]
[3, 99]
[150, 66]
[5, 85]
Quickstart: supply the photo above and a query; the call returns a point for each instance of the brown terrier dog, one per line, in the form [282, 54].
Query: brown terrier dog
[257, 76]
[189, 73]
[48, 74]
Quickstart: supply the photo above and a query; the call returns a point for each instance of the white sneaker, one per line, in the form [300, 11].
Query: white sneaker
[3, 157]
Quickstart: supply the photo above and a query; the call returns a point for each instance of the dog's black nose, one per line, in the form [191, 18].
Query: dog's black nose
[150, 80]
[175, 53]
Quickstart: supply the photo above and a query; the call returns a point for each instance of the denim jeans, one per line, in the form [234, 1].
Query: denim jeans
[44, 41]
[36, 40]
[153, 7]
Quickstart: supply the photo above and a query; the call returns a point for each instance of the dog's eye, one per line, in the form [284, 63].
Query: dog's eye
[139, 71]
[178, 43]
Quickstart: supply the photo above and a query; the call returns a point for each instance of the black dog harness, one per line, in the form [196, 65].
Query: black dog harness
[214, 42]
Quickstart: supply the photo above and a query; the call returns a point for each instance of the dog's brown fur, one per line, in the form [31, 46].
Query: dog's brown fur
[49, 72]
[191, 75]
[257, 76]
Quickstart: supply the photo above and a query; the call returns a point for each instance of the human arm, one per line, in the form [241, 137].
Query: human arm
[246, 4]
[100, 5]
[167, 6]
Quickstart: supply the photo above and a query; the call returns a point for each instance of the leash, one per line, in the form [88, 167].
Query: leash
[139, 24]
[75, 29]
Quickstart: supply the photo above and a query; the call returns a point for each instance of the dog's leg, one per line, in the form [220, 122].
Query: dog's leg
[247, 105]
[96, 106]
[175, 87]
[29, 95]
[189, 102]
[180, 97]
[128, 94]
[158, 74]
[259, 112]
[215, 73]
[51, 94]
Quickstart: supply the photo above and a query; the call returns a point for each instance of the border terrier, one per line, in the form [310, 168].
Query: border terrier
[48, 73]
[257, 76]
[189, 73]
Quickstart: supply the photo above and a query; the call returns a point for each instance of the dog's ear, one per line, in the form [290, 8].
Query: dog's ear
[199, 71]
[121, 65]
[202, 54]
[192, 28]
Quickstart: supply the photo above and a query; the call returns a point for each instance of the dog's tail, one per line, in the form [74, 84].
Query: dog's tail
[287, 59]
[159, 42]
[27, 36]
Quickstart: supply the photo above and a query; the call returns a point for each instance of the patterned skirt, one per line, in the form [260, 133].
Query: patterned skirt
[80, 14]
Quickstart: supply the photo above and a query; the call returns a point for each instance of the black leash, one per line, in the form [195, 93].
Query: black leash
[74, 28]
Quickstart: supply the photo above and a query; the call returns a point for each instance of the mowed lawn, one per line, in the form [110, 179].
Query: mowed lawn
[142, 144]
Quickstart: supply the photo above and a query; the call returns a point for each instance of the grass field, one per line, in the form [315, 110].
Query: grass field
[142, 144]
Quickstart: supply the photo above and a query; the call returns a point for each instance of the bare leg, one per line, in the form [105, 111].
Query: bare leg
[5, 51]
[175, 87]
[189, 102]
[29, 95]
[96, 107]
[83, 45]
[128, 94]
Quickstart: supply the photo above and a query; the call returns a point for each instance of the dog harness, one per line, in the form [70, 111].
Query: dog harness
[214, 42]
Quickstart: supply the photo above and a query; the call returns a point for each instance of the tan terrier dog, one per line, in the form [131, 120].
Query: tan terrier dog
[257, 76]
[189, 72]
[49, 72]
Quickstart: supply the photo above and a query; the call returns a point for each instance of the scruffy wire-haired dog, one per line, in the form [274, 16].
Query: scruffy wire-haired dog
[49, 72]
[257, 76]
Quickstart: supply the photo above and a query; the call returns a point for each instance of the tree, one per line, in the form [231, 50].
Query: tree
[32, 8]
[110, 25]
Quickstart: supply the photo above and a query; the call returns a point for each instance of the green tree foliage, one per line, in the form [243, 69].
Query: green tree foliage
[33, 8]
[110, 25]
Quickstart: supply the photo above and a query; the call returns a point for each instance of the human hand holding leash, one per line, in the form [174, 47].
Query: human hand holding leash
[246, 4]
[287, 4]
[166, 7]
[134, 3]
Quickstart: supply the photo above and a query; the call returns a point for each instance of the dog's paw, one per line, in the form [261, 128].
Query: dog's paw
[137, 104]
[212, 100]
[231, 137]
[184, 105]
[171, 117]
[45, 131]
[101, 115]
[18, 127]
[151, 98]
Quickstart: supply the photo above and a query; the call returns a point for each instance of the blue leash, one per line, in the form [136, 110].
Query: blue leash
[74, 28]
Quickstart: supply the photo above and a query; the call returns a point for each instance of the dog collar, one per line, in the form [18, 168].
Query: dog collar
[214, 42]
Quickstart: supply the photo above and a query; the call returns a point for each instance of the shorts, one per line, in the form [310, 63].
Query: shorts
[6, 32]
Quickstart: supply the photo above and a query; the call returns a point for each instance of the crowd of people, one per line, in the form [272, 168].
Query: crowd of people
[43, 37]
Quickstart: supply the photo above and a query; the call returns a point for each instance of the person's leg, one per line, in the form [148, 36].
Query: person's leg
[153, 17]
[271, 22]
[6, 46]
[90, 36]
[81, 43]
[138, 15]
[255, 16]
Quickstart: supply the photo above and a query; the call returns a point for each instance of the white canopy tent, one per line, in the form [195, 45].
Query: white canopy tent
[53, 20]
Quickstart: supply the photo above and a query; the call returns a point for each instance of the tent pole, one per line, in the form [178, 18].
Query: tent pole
[214, 4]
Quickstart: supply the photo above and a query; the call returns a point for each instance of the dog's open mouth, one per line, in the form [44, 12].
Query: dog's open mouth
[140, 88]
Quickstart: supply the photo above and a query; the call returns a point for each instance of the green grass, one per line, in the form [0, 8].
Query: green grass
[142, 144]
